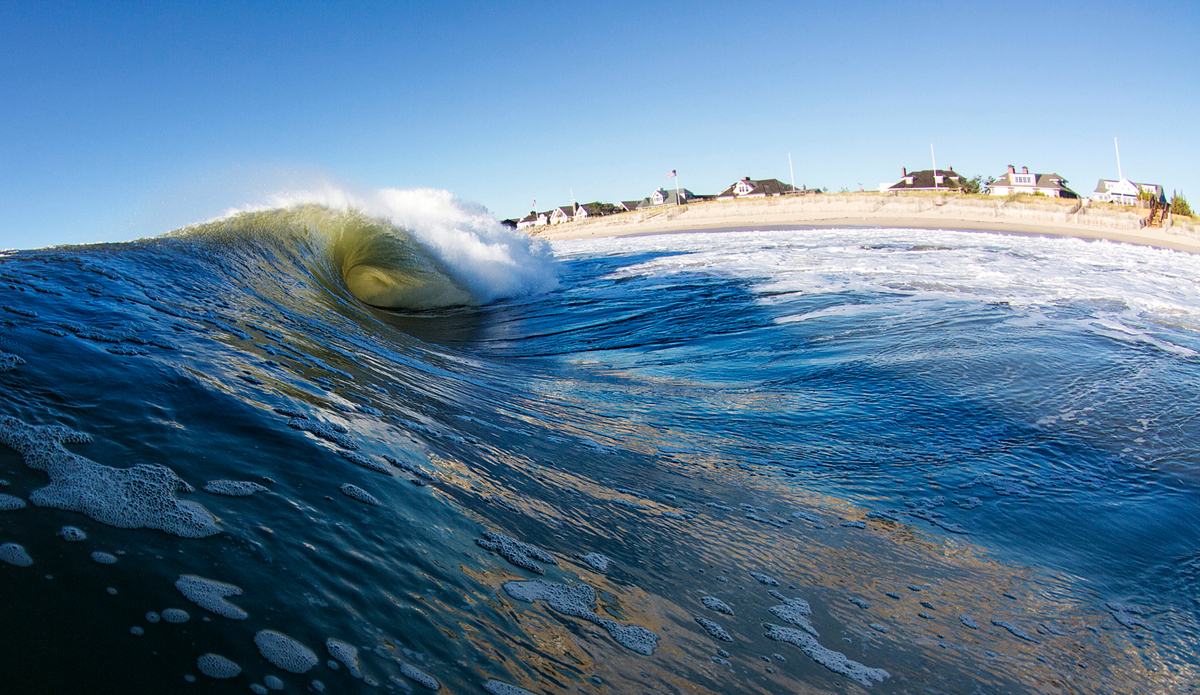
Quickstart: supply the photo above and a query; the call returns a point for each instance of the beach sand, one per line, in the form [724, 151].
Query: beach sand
[920, 211]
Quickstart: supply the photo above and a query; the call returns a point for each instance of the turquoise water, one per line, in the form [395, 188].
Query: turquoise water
[812, 460]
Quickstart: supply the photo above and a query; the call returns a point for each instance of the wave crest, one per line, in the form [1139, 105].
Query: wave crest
[417, 249]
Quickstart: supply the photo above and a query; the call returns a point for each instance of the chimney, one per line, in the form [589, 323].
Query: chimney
[1024, 170]
[1012, 169]
[903, 172]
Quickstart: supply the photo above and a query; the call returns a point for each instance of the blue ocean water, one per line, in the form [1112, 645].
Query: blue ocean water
[403, 449]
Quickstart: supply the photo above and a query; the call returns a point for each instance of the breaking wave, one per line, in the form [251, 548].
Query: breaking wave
[413, 250]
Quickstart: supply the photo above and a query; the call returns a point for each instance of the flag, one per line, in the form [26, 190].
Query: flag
[534, 205]
[672, 174]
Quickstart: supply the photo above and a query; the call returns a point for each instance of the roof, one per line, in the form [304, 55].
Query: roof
[924, 179]
[758, 187]
[668, 195]
[1053, 181]
[1101, 188]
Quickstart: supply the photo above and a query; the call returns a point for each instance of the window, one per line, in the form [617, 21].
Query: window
[743, 188]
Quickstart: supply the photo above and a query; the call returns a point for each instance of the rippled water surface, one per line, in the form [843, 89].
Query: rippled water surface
[753, 462]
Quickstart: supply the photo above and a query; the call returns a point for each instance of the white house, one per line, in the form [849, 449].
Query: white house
[533, 219]
[1013, 182]
[1124, 191]
[562, 214]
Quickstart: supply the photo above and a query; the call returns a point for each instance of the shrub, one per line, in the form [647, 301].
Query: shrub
[1179, 205]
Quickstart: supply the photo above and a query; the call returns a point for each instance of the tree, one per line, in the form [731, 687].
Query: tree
[977, 184]
[1179, 205]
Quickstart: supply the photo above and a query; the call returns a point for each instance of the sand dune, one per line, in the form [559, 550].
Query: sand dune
[1075, 218]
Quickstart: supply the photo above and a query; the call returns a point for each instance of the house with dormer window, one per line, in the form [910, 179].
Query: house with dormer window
[751, 188]
[666, 197]
[1014, 182]
[925, 180]
[1125, 192]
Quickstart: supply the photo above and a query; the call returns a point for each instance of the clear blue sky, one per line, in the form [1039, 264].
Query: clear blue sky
[125, 120]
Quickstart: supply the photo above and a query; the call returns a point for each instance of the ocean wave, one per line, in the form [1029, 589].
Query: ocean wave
[413, 250]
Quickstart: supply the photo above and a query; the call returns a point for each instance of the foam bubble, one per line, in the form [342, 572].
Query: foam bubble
[9, 362]
[577, 601]
[71, 533]
[1126, 614]
[258, 689]
[417, 675]
[764, 579]
[345, 653]
[714, 629]
[596, 561]
[357, 493]
[834, 661]
[14, 554]
[104, 558]
[273, 682]
[217, 666]
[365, 462]
[330, 433]
[210, 595]
[285, 652]
[516, 552]
[137, 631]
[175, 615]
[1018, 632]
[411, 468]
[794, 611]
[233, 488]
[141, 496]
[10, 503]
[495, 687]
[713, 603]
[152, 617]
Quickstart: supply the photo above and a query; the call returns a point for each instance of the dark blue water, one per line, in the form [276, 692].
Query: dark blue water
[972, 456]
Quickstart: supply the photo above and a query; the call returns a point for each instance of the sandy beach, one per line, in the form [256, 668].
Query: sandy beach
[1076, 218]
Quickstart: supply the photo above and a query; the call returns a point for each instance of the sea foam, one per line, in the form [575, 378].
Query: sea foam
[141, 496]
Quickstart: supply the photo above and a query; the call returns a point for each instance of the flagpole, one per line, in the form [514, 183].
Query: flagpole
[793, 172]
[1118, 149]
[931, 152]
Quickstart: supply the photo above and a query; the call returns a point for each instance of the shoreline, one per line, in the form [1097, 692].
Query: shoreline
[1052, 217]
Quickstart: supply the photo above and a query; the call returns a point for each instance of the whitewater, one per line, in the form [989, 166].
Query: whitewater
[379, 442]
